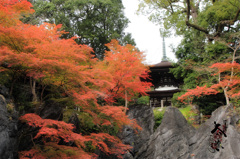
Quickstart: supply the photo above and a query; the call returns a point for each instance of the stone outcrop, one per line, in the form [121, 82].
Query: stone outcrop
[176, 139]
[170, 140]
[143, 114]
[8, 129]
[200, 141]
[173, 139]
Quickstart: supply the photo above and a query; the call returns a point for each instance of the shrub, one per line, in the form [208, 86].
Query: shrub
[189, 114]
[143, 100]
[158, 116]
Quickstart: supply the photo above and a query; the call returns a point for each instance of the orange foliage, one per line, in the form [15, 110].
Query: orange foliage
[124, 68]
[197, 92]
[52, 132]
[117, 148]
[11, 11]
[119, 116]
[226, 67]
[229, 78]
[43, 55]
[55, 151]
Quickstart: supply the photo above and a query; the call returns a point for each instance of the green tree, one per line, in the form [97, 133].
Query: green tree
[213, 18]
[209, 30]
[95, 22]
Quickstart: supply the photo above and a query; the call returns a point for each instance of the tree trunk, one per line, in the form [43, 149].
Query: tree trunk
[41, 99]
[226, 96]
[33, 89]
[126, 101]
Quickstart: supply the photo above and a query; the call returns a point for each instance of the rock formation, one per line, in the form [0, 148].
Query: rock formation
[173, 139]
[143, 114]
[8, 129]
[170, 140]
[176, 139]
[199, 142]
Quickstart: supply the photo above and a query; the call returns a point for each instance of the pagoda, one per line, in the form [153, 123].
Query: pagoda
[164, 82]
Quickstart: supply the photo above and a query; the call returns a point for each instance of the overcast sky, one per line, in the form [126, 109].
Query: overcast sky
[146, 34]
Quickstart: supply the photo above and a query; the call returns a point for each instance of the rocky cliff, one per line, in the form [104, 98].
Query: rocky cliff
[143, 114]
[176, 139]
[8, 127]
[170, 140]
[173, 139]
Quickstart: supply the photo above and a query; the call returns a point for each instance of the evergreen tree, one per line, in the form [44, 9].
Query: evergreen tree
[95, 22]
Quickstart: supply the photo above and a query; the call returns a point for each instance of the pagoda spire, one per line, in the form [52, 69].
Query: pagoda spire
[164, 58]
[164, 50]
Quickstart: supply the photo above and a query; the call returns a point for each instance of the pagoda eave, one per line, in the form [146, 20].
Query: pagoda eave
[162, 93]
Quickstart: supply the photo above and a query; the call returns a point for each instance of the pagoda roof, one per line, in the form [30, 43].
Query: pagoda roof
[162, 64]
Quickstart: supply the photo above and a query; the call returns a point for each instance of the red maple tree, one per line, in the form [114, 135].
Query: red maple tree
[52, 132]
[40, 53]
[227, 81]
[124, 68]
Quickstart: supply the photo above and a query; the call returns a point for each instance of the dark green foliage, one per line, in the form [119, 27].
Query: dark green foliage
[208, 104]
[87, 124]
[95, 22]
[4, 78]
[23, 98]
[119, 102]
[55, 94]
[19, 89]
[195, 55]
[175, 101]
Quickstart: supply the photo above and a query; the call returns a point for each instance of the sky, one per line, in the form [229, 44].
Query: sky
[146, 34]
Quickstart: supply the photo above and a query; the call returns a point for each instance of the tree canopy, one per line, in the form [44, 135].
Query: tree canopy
[214, 18]
[95, 22]
[126, 63]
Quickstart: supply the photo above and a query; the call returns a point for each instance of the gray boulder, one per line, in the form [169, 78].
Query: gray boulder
[200, 141]
[176, 139]
[170, 140]
[143, 114]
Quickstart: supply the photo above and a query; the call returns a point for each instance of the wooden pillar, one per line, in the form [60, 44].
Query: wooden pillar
[162, 102]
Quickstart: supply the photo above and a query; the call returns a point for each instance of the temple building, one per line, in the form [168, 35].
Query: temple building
[164, 83]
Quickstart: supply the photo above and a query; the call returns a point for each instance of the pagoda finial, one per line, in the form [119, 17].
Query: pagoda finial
[164, 58]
